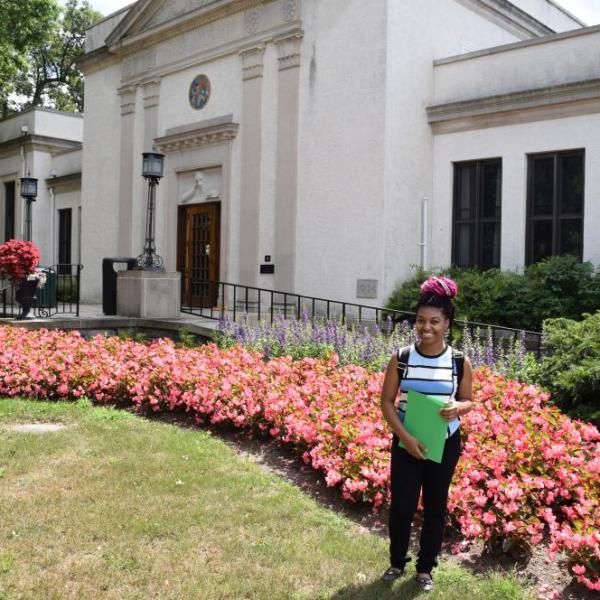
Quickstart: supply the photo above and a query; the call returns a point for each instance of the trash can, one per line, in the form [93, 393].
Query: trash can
[47, 294]
[109, 282]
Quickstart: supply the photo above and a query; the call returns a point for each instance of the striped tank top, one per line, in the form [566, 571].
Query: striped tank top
[432, 375]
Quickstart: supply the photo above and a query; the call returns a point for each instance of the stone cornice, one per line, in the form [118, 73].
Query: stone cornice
[210, 131]
[41, 109]
[579, 97]
[92, 61]
[72, 181]
[38, 142]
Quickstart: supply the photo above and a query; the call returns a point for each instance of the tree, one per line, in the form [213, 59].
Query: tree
[23, 27]
[51, 77]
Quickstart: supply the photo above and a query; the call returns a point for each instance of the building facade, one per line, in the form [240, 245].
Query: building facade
[325, 147]
[46, 145]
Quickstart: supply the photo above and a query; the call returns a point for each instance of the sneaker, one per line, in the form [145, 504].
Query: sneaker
[424, 582]
[392, 574]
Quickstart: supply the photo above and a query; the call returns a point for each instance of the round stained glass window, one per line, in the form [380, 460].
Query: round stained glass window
[199, 92]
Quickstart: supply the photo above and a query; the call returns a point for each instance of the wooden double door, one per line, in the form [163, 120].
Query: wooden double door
[198, 227]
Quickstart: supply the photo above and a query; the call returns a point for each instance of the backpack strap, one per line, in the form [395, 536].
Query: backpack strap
[403, 356]
[458, 359]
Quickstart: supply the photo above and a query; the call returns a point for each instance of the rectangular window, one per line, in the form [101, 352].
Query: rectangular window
[555, 205]
[477, 213]
[9, 210]
[64, 240]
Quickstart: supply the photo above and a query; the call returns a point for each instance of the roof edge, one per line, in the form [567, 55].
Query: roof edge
[516, 45]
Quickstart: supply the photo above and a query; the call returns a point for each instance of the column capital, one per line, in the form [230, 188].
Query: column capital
[288, 49]
[252, 61]
[151, 91]
[127, 97]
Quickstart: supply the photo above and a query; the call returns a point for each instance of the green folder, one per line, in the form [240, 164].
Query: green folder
[423, 421]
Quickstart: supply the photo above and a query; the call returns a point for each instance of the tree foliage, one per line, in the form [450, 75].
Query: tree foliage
[38, 64]
[23, 26]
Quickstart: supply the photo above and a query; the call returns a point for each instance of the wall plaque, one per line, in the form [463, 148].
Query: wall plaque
[199, 92]
[366, 288]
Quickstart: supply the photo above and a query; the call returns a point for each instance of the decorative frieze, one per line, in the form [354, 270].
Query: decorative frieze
[176, 21]
[252, 21]
[288, 49]
[252, 62]
[289, 10]
[205, 34]
[140, 62]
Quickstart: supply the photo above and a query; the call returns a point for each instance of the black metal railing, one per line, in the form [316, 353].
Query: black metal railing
[218, 299]
[59, 295]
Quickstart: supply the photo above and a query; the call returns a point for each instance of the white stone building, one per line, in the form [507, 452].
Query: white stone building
[44, 144]
[342, 140]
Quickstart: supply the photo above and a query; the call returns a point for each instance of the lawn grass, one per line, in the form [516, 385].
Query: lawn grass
[114, 506]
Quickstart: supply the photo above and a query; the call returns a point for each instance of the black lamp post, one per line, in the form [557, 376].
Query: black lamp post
[29, 193]
[152, 170]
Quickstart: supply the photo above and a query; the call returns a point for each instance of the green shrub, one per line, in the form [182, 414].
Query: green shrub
[562, 287]
[556, 287]
[571, 371]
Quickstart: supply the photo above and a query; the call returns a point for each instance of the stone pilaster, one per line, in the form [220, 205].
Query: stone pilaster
[251, 129]
[288, 48]
[151, 91]
[128, 97]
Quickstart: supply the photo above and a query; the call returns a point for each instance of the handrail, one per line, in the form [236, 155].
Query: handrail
[195, 293]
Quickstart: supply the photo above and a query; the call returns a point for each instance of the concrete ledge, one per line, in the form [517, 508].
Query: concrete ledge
[112, 324]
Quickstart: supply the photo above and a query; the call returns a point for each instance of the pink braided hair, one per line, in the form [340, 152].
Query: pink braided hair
[440, 286]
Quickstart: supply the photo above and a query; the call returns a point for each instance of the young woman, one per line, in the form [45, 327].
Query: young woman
[432, 368]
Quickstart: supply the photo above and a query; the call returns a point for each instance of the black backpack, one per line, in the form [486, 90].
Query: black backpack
[458, 358]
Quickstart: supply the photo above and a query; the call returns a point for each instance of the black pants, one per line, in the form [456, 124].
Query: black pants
[408, 476]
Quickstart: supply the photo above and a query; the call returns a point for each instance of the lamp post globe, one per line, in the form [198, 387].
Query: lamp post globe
[29, 193]
[152, 165]
[29, 187]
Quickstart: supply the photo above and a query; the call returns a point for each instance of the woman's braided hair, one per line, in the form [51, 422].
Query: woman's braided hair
[438, 292]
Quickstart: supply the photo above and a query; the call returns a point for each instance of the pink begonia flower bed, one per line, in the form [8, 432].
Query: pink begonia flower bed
[528, 474]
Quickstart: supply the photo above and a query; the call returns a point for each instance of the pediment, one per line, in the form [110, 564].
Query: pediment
[153, 15]
[170, 10]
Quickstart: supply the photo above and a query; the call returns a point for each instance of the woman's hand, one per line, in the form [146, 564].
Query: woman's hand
[414, 447]
[451, 412]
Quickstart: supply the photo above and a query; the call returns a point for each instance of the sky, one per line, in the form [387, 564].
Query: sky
[586, 10]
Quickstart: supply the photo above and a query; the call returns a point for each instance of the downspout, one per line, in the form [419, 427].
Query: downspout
[424, 228]
[23, 174]
[54, 253]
